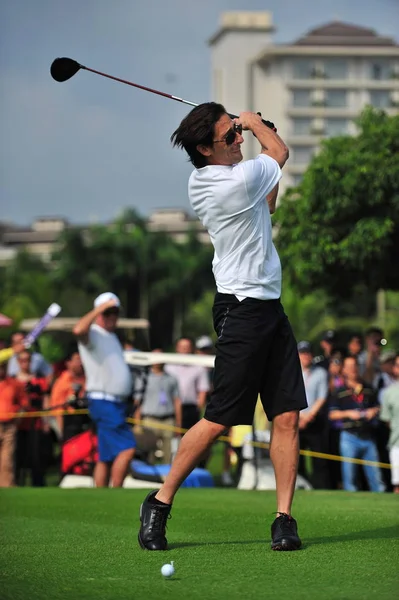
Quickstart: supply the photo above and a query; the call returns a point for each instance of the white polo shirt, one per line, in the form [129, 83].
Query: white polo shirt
[231, 203]
[104, 364]
[315, 380]
[191, 380]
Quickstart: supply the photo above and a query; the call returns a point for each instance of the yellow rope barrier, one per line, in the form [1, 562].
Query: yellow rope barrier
[165, 427]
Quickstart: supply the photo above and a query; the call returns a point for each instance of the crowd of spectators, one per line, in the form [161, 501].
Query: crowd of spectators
[353, 406]
[353, 412]
[164, 399]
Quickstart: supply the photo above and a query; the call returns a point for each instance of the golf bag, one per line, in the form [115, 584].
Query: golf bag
[79, 451]
[79, 454]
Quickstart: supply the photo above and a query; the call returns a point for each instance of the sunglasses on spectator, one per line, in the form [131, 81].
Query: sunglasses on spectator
[111, 311]
[336, 361]
[230, 136]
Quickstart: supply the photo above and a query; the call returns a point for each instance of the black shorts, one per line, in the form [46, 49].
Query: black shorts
[190, 415]
[256, 353]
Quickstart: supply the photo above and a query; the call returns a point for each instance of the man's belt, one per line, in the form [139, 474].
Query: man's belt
[157, 418]
[104, 396]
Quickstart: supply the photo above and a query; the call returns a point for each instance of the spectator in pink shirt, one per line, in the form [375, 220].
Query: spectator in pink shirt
[193, 384]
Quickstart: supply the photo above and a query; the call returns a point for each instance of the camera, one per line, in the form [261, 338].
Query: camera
[77, 401]
[32, 388]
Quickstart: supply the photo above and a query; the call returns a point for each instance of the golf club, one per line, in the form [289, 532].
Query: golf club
[53, 310]
[64, 68]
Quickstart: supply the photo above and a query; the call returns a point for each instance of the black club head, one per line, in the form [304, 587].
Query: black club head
[64, 68]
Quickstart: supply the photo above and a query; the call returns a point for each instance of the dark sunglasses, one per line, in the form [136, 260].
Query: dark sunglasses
[336, 361]
[230, 136]
[111, 311]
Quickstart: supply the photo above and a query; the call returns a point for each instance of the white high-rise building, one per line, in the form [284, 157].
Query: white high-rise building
[311, 89]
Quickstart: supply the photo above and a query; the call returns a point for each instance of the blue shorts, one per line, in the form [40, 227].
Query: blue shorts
[114, 434]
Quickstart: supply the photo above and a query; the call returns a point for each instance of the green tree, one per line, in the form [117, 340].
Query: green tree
[309, 314]
[155, 276]
[26, 289]
[339, 230]
[180, 273]
[198, 320]
[104, 258]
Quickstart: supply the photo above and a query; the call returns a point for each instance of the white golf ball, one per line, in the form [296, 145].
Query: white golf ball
[168, 570]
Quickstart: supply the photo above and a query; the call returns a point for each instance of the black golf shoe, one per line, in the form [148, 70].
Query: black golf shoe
[285, 533]
[153, 519]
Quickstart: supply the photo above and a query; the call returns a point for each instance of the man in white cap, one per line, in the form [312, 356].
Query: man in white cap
[108, 385]
[204, 345]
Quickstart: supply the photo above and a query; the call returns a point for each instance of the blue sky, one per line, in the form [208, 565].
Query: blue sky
[87, 148]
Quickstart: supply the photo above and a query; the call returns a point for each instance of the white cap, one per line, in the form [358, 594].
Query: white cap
[204, 342]
[106, 297]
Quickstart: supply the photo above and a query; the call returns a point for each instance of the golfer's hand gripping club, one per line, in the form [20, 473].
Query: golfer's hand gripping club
[267, 123]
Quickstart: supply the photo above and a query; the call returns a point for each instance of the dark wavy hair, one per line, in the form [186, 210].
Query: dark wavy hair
[198, 128]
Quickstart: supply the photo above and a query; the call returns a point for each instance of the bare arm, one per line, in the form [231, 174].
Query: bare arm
[272, 199]
[46, 402]
[322, 392]
[271, 143]
[337, 415]
[60, 423]
[81, 329]
[316, 407]
[178, 412]
[371, 413]
[46, 420]
[369, 373]
[201, 400]
[309, 416]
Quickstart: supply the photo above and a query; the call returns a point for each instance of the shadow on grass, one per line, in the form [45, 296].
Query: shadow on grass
[382, 533]
[227, 543]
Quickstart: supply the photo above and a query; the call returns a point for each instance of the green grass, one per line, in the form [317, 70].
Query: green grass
[82, 544]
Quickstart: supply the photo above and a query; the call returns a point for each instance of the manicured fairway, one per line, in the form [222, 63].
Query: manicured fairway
[82, 544]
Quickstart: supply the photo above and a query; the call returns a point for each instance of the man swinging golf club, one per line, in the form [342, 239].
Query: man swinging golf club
[256, 352]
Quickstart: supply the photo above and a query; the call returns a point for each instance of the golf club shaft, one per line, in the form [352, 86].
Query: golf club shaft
[141, 87]
[147, 89]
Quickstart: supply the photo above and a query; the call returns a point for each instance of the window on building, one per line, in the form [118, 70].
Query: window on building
[301, 155]
[380, 98]
[302, 68]
[301, 126]
[318, 97]
[335, 69]
[336, 98]
[336, 127]
[301, 98]
[380, 70]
